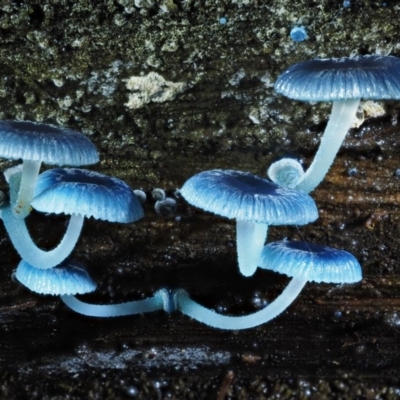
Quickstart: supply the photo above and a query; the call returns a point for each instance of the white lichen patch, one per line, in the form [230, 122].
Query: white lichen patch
[237, 77]
[368, 109]
[152, 87]
[65, 103]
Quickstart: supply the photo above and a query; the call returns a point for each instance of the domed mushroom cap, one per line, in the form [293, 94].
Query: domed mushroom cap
[66, 279]
[332, 79]
[48, 143]
[88, 193]
[311, 262]
[286, 172]
[247, 197]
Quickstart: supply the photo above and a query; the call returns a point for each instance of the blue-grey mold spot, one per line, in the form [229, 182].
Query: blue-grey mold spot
[66, 279]
[346, 4]
[247, 197]
[51, 144]
[311, 262]
[298, 34]
[91, 194]
[360, 77]
[223, 20]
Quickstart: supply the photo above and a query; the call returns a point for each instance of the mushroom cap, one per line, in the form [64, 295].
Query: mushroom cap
[286, 172]
[311, 262]
[51, 144]
[68, 278]
[88, 193]
[332, 79]
[298, 34]
[247, 197]
[166, 207]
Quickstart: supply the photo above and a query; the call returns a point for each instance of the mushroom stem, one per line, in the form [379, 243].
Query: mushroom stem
[342, 116]
[160, 301]
[209, 317]
[30, 172]
[250, 239]
[27, 249]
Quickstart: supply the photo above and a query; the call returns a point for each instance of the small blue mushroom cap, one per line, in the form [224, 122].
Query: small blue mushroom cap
[166, 207]
[66, 279]
[247, 197]
[360, 77]
[88, 193]
[298, 34]
[286, 172]
[51, 144]
[311, 262]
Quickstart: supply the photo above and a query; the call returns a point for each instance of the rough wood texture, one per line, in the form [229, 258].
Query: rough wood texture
[66, 63]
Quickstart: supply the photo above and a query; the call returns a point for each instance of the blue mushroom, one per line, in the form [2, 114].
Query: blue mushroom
[67, 278]
[35, 143]
[311, 262]
[166, 207]
[344, 81]
[302, 261]
[254, 202]
[161, 300]
[76, 192]
[298, 34]
[286, 172]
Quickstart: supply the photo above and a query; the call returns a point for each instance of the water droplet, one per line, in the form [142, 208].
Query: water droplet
[157, 384]
[259, 301]
[221, 308]
[337, 314]
[393, 319]
[132, 391]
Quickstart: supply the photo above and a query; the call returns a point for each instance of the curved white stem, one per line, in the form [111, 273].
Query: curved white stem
[13, 178]
[342, 116]
[209, 317]
[30, 172]
[250, 239]
[27, 249]
[160, 301]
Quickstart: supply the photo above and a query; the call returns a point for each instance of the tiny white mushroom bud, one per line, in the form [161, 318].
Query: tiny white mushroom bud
[287, 172]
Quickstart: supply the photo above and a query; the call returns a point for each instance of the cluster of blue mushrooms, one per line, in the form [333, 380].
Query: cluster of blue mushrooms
[344, 82]
[76, 192]
[252, 201]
